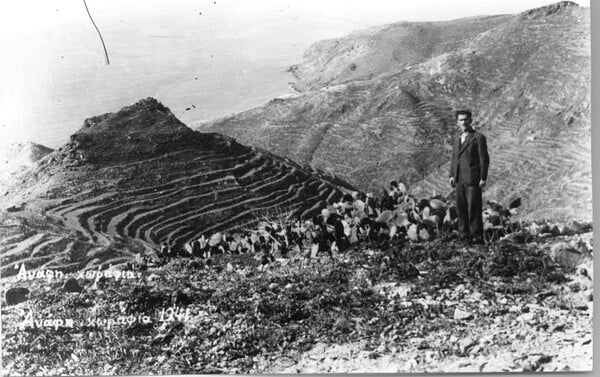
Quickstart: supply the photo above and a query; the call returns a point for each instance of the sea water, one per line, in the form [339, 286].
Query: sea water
[56, 76]
[212, 57]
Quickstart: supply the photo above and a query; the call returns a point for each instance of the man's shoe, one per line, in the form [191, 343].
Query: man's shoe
[478, 241]
[463, 237]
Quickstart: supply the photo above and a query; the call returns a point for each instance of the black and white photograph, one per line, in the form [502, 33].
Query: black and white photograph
[193, 187]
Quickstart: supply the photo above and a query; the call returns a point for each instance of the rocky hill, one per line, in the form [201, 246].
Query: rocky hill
[379, 105]
[135, 178]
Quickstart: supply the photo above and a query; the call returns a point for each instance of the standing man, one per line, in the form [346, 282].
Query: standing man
[468, 174]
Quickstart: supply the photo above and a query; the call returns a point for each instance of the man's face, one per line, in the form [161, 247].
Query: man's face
[464, 122]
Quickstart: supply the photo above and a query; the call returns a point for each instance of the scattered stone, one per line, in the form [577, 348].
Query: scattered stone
[15, 296]
[417, 340]
[538, 360]
[533, 362]
[574, 287]
[543, 295]
[462, 315]
[72, 285]
[523, 334]
[486, 339]
[503, 301]
[566, 255]
[229, 267]
[475, 350]
[423, 345]
[543, 326]
[466, 343]
[15, 208]
[586, 269]
[514, 309]
[482, 366]
[344, 325]
[556, 367]
[586, 341]
[558, 327]
[402, 290]
[477, 297]
[273, 286]
[555, 230]
[411, 365]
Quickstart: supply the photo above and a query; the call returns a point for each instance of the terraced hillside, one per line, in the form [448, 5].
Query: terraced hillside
[526, 77]
[553, 173]
[140, 177]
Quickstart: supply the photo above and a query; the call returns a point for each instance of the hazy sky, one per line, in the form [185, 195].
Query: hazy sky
[33, 15]
[53, 64]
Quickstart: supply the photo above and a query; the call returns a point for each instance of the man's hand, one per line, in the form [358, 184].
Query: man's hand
[452, 183]
[482, 183]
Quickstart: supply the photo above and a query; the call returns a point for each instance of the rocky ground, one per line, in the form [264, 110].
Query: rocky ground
[550, 331]
[531, 337]
[435, 306]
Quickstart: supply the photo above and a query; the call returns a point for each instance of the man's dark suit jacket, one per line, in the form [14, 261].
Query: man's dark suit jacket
[470, 160]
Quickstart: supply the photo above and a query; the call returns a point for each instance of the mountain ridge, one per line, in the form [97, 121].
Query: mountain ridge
[369, 52]
[526, 78]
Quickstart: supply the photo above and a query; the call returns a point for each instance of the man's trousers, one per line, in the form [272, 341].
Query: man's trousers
[468, 209]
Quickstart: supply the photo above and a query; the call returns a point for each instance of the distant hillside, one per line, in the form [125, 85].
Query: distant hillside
[380, 50]
[138, 177]
[379, 105]
[16, 159]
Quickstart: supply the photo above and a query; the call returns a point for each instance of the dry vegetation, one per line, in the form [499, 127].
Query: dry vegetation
[244, 317]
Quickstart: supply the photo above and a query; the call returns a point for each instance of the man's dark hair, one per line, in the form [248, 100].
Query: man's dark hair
[394, 184]
[464, 112]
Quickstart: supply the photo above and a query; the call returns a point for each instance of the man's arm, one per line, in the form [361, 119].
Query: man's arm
[484, 159]
[453, 163]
